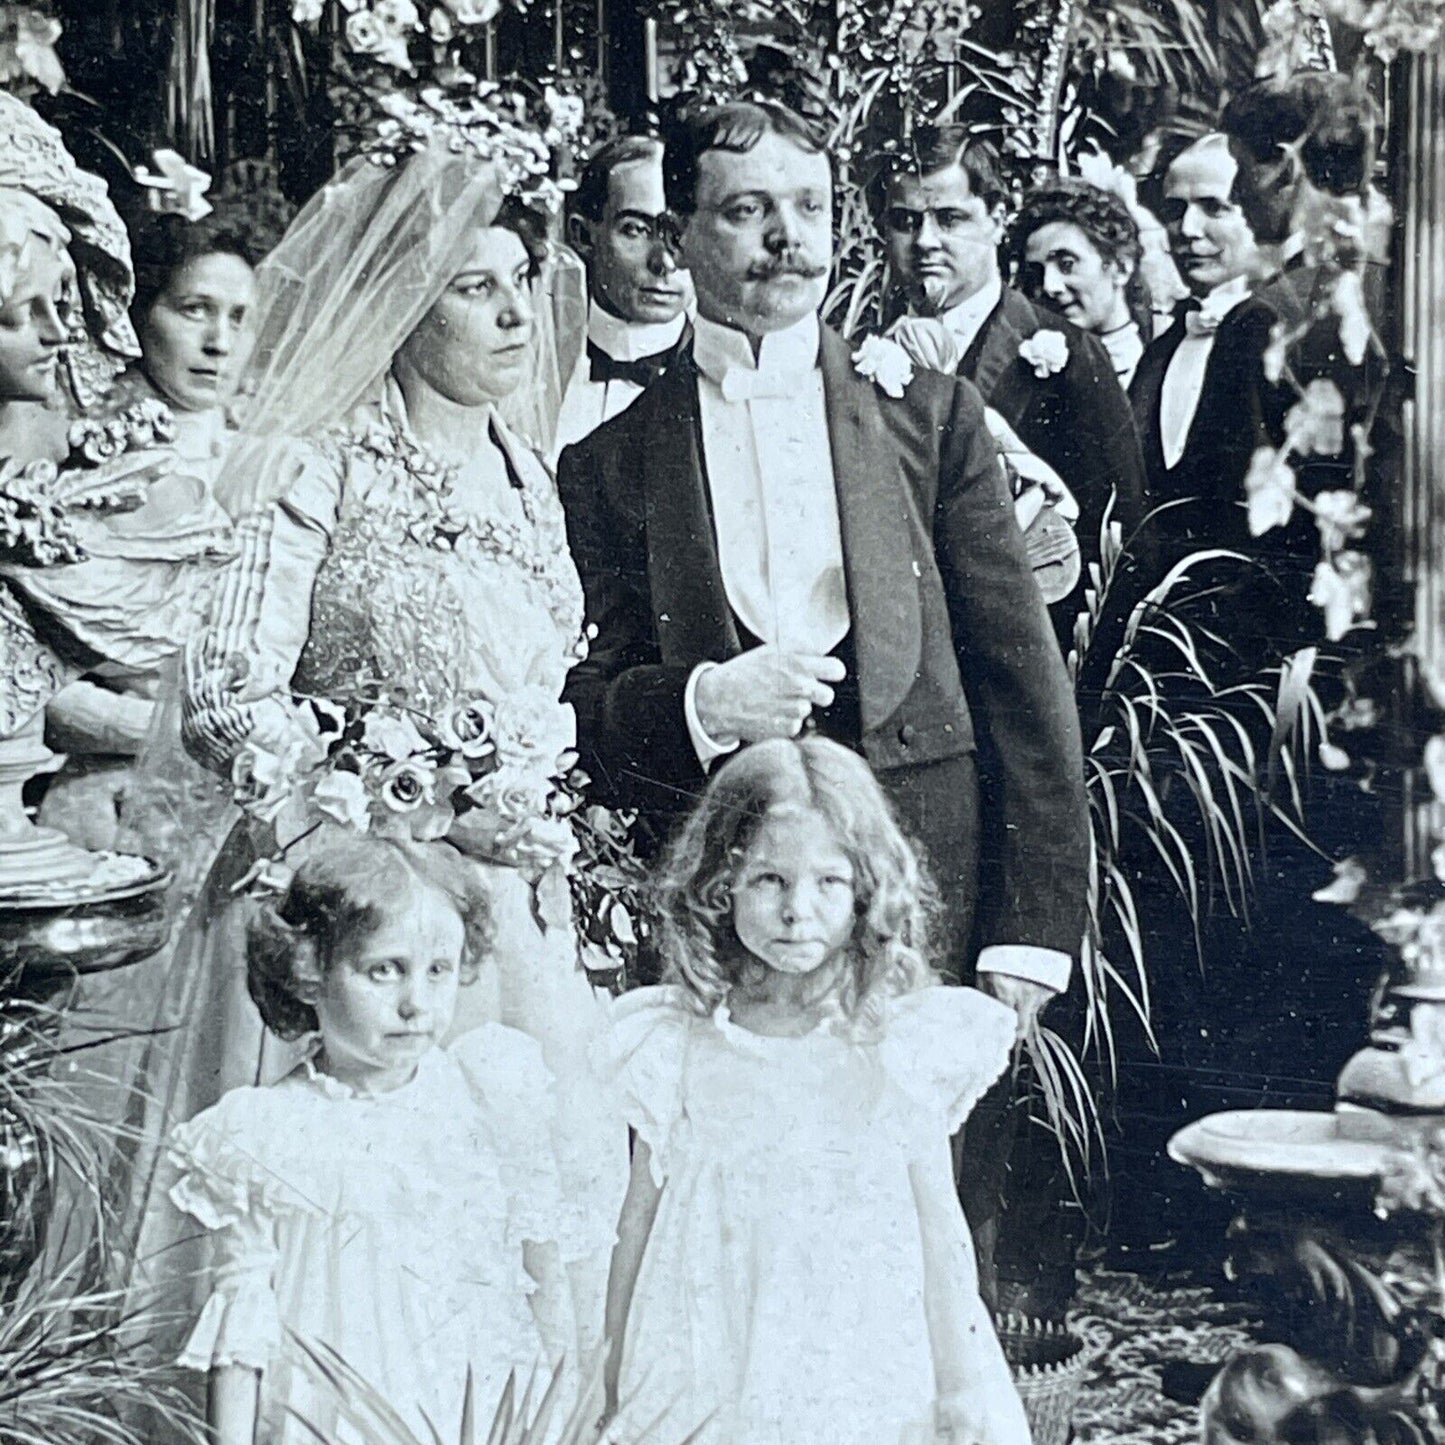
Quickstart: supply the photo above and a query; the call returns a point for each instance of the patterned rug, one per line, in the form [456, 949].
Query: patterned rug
[1136, 1329]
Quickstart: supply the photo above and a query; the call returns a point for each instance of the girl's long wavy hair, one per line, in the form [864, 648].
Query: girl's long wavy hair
[897, 906]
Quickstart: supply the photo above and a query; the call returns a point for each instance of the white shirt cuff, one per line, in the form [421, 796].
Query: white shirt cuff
[707, 748]
[1046, 966]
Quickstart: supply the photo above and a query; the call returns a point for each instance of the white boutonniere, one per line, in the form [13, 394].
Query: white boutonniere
[1046, 351]
[885, 363]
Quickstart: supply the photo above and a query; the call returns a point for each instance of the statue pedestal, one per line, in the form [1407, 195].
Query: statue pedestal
[31, 856]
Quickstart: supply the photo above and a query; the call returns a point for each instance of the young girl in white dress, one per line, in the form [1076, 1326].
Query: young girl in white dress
[389, 1199]
[792, 1262]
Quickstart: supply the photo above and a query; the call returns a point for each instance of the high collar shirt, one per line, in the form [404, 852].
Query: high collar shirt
[1184, 376]
[1125, 345]
[770, 471]
[587, 403]
[966, 319]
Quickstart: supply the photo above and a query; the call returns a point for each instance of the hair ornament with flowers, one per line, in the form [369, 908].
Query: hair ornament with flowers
[486, 122]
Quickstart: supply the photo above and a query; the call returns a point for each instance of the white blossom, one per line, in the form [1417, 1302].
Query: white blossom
[1341, 518]
[343, 797]
[1348, 302]
[885, 363]
[1269, 491]
[1316, 422]
[175, 187]
[1341, 590]
[1046, 351]
[474, 12]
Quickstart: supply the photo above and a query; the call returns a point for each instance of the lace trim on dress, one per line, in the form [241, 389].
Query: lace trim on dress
[431, 516]
[240, 1326]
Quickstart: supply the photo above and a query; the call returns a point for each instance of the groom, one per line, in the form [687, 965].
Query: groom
[776, 535]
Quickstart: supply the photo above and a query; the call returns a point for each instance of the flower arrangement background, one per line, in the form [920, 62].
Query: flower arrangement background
[397, 70]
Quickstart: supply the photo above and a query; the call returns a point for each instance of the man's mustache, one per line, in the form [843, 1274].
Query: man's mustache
[775, 266]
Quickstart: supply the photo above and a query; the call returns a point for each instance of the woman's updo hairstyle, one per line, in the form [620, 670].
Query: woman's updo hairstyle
[531, 226]
[1103, 218]
[162, 244]
[341, 893]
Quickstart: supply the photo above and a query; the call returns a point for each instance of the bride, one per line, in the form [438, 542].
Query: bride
[392, 526]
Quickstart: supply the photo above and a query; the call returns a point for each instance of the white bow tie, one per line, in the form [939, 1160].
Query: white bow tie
[745, 383]
[1204, 320]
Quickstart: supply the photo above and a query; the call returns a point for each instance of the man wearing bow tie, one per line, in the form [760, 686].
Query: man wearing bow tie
[769, 539]
[636, 292]
[1197, 393]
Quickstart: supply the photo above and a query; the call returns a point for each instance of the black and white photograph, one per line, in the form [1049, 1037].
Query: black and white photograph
[722, 723]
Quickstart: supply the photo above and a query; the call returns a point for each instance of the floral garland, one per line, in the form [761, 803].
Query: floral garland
[400, 81]
[111, 464]
[487, 122]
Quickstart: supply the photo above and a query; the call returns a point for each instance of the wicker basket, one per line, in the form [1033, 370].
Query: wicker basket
[1048, 1361]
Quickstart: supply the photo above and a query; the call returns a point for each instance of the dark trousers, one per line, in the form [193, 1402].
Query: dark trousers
[938, 803]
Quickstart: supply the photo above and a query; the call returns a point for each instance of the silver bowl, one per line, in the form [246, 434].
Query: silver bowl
[44, 945]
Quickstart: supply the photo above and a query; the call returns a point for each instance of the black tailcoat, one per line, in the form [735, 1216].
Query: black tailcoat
[952, 645]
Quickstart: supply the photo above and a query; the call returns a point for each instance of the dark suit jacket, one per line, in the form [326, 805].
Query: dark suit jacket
[1261, 606]
[1236, 414]
[939, 593]
[1078, 420]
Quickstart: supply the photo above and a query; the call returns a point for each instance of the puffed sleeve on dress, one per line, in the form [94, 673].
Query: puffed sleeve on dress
[261, 612]
[640, 1056]
[221, 1184]
[504, 1070]
[945, 1047]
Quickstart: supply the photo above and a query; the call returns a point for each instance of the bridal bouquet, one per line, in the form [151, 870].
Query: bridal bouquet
[490, 775]
[498, 779]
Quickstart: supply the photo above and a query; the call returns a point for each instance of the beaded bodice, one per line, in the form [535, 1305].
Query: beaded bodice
[438, 592]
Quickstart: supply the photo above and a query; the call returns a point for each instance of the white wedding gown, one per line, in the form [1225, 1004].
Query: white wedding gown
[367, 568]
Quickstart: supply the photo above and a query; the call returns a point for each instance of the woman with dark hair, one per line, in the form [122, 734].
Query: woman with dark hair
[1077, 249]
[195, 286]
[141, 591]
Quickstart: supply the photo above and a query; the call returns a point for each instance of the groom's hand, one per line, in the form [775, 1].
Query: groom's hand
[765, 693]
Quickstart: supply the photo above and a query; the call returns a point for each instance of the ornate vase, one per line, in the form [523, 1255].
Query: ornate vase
[64, 912]
[46, 947]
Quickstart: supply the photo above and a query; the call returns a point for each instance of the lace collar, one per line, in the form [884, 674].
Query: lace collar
[333, 1088]
[427, 505]
[384, 433]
